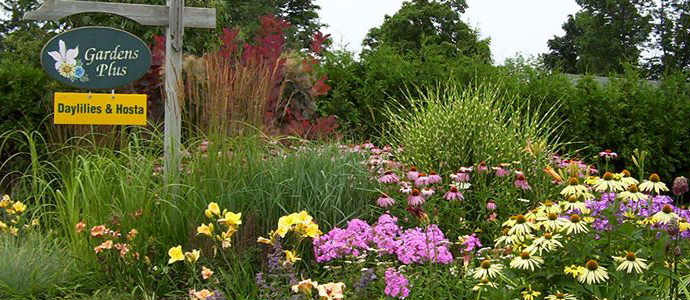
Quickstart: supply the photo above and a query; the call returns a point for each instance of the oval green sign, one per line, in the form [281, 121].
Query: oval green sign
[96, 58]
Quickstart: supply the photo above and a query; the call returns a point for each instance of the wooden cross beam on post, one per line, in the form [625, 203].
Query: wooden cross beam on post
[175, 17]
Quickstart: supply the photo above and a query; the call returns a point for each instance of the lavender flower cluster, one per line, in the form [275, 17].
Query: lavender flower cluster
[641, 209]
[412, 246]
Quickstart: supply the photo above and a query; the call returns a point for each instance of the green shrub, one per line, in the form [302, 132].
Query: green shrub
[448, 127]
[35, 266]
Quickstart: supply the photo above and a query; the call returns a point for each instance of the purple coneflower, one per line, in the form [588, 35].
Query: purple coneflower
[461, 176]
[482, 168]
[415, 198]
[412, 174]
[368, 145]
[491, 205]
[521, 181]
[385, 201]
[421, 180]
[427, 192]
[453, 194]
[389, 177]
[608, 154]
[433, 178]
[405, 187]
[502, 170]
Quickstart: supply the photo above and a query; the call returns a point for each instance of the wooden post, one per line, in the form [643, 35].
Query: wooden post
[173, 77]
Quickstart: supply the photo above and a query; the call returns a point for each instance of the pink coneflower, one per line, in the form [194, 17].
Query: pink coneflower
[368, 145]
[492, 217]
[453, 194]
[376, 151]
[482, 168]
[434, 178]
[405, 187]
[389, 177]
[385, 201]
[502, 170]
[375, 161]
[427, 192]
[415, 198]
[491, 205]
[421, 180]
[608, 154]
[412, 174]
[521, 181]
[461, 177]
[466, 169]
[387, 148]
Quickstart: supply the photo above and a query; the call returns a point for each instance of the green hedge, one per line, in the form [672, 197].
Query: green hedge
[623, 115]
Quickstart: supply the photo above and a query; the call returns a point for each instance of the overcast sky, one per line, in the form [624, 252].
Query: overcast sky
[514, 26]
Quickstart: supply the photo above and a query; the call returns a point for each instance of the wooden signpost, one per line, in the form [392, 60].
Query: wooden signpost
[175, 17]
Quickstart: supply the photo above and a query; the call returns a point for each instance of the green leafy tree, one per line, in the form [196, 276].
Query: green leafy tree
[671, 35]
[603, 37]
[422, 23]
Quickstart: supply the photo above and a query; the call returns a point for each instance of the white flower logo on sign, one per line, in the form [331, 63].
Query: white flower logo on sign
[67, 64]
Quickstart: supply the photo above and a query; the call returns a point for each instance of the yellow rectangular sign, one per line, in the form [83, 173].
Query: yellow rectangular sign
[100, 109]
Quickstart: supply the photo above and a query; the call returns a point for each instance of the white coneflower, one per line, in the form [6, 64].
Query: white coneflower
[654, 184]
[572, 203]
[574, 188]
[526, 261]
[547, 242]
[575, 225]
[560, 296]
[551, 222]
[520, 226]
[665, 215]
[608, 183]
[630, 262]
[507, 240]
[484, 283]
[627, 180]
[487, 270]
[593, 273]
[632, 194]
[549, 207]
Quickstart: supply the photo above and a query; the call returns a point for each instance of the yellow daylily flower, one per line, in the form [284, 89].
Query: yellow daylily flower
[205, 229]
[14, 231]
[213, 209]
[3, 226]
[175, 254]
[193, 256]
[290, 257]
[6, 201]
[231, 219]
[19, 207]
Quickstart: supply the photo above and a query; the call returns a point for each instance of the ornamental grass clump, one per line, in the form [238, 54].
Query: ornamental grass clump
[449, 126]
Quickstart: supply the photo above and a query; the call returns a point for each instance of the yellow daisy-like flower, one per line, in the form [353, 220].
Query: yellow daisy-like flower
[521, 226]
[525, 261]
[547, 242]
[304, 286]
[484, 283]
[192, 256]
[608, 183]
[665, 215]
[593, 273]
[175, 254]
[205, 229]
[654, 184]
[574, 270]
[575, 225]
[683, 226]
[560, 296]
[213, 209]
[630, 262]
[487, 270]
[592, 180]
[632, 194]
[552, 222]
[548, 207]
[529, 294]
[290, 257]
[231, 219]
[627, 180]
